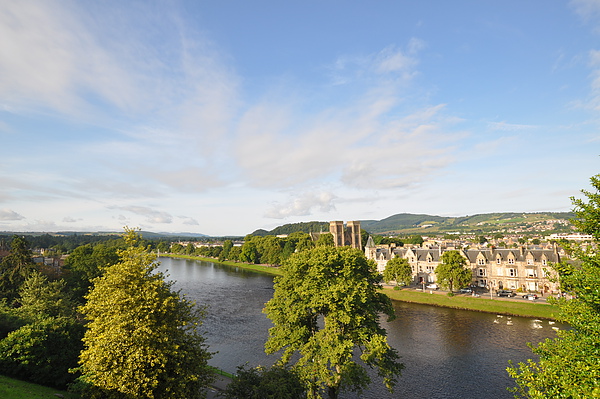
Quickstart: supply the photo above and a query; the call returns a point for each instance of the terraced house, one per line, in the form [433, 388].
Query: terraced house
[525, 269]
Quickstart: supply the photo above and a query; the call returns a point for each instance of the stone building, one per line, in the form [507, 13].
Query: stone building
[525, 269]
[348, 236]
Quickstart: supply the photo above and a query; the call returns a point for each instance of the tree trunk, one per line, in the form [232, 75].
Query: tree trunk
[332, 392]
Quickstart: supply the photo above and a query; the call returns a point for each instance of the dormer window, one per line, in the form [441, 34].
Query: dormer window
[511, 261]
[481, 261]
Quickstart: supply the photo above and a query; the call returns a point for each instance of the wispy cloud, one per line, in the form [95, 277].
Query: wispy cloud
[7, 214]
[303, 205]
[151, 215]
[510, 127]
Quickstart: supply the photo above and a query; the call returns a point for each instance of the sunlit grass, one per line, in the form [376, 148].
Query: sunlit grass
[482, 304]
[17, 389]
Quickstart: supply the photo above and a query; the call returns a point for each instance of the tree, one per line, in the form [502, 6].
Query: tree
[43, 351]
[227, 245]
[40, 298]
[276, 382]
[15, 268]
[451, 272]
[325, 239]
[325, 305]
[398, 269]
[142, 338]
[249, 252]
[84, 264]
[48, 341]
[569, 365]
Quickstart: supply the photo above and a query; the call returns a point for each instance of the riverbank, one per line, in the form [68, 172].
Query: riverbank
[504, 306]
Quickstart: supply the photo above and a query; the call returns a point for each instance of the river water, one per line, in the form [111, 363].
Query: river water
[447, 353]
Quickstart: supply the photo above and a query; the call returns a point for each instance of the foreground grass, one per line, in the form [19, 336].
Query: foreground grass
[17, 389]
[538, 310]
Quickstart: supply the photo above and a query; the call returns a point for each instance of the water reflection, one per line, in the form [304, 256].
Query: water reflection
[448, 353]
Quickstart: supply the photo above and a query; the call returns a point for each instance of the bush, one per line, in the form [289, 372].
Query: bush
[262, 383]
[42, 352]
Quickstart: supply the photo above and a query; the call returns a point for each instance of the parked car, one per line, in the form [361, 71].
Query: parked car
[508, 293]
[433, 286]
[531, 297]
[466, 290]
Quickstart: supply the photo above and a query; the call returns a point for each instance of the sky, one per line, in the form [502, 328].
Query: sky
[223, 117]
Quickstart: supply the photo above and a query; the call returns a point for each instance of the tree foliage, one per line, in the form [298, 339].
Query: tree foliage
[85, 263]
[277, 382]
[451, 272]
[42, 351]
[15, 268]
[398, 269]
[326, 304]
[142, 339]
[569, 365]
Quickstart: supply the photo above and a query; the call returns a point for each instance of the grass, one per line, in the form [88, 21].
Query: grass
[257, 268]
[17, 389]
[538, 310]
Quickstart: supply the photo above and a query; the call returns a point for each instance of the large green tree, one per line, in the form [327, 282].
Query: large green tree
[15, 268]
[142, 338]
[398, 269]
[85, 263]
[569, 365]
[326, 304]
[451, 272]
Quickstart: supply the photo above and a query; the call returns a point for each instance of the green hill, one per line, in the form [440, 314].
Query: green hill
[408, 223]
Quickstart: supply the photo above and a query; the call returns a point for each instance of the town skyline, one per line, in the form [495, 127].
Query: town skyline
[176, 116]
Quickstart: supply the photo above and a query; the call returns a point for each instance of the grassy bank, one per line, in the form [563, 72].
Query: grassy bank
[539, 310]
[514, 308]
[17, 389]
[247, 266]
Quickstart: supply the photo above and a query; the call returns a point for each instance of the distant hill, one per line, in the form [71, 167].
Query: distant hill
[305, 227]
[408, 223]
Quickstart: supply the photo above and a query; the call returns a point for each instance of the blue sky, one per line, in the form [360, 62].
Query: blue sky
[228, 116]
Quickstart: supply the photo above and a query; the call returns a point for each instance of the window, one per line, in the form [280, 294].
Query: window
[531, 272]
[544, 262]
[498, 260]
[481, 272]
[481, 261]
[511, 261]
[530, 261]
[512, 272]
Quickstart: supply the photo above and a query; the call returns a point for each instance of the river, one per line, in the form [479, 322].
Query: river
[447, 353]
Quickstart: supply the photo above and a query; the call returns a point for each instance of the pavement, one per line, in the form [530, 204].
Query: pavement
[217, 387]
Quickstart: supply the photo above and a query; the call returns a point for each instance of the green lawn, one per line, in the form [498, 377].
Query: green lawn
[16, 389]
[539, 310]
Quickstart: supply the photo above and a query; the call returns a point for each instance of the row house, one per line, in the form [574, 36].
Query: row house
[496, 268]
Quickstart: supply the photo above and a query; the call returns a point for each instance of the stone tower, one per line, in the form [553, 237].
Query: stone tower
[346, 237]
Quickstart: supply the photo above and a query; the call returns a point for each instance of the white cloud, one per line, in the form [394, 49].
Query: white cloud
[190, 221]
[586, 9]
[303, 205]
[7, 214]
[49, 58]
[510, 126]
[151, 215]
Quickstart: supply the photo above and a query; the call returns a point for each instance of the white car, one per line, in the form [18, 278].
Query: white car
[433, 286]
